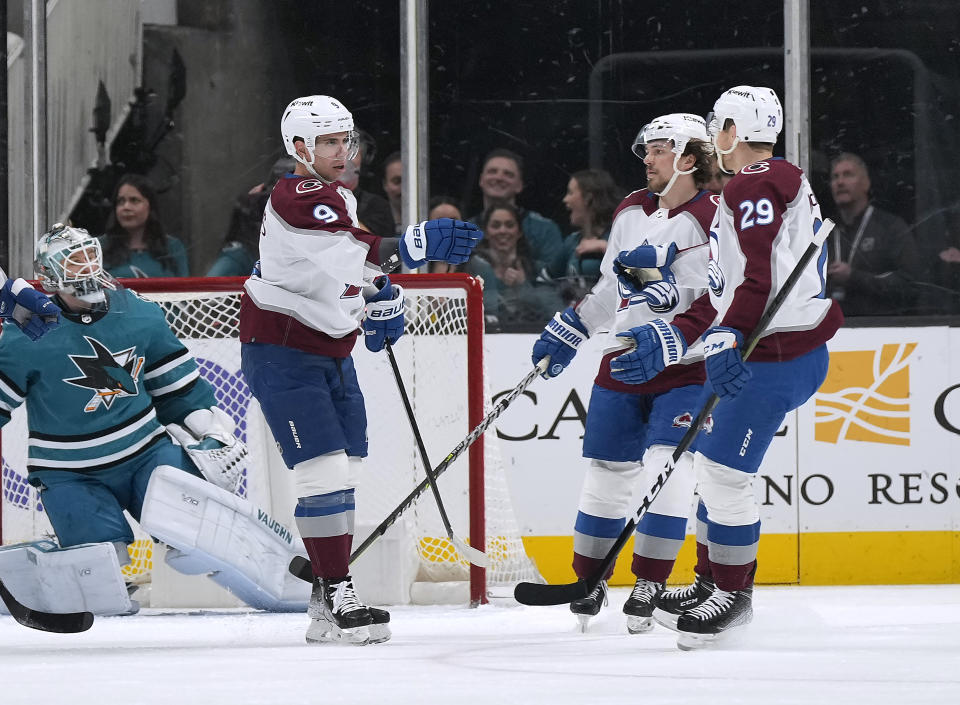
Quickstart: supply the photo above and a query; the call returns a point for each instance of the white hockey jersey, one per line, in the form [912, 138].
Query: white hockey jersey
[639, 220]
[314, 263]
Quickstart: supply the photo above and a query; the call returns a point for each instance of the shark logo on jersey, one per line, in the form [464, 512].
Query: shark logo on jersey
[111, 375]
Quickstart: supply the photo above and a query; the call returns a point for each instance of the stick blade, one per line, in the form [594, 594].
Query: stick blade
[474, 555]
[542, 595]
[301, 568]
[57, 622]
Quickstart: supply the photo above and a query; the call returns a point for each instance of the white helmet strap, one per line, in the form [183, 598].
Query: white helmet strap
[677, 172]
[722, 152]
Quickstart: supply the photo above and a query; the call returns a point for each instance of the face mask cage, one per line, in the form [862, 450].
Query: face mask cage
[72, 263]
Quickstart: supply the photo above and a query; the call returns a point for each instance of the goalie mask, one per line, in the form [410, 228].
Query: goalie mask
[679, 128]
[69, 261]
[755, 111]
[313, 116]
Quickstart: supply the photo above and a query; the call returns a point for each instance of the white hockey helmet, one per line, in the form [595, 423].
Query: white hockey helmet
[69, 260]
[755, 111]
[311, 116]
[679, 128]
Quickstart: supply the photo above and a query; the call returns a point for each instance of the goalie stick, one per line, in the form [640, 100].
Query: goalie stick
[536, 594]
[471, 437]
[475, 556]
[59, 622]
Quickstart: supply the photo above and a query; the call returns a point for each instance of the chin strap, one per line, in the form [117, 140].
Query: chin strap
[676, 173]
[721, 152]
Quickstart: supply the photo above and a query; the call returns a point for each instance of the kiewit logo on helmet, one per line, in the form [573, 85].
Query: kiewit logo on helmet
[302, 102]
[742, 94]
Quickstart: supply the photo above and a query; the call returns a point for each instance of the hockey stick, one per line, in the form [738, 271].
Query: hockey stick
[473, 555]
[297, 566]
[60, 622]
[536, 594]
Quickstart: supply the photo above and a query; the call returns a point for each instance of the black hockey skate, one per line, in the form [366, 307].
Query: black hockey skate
[589, 606]
[336, 614]
[639, 606]
[670, 604]
[720, 613]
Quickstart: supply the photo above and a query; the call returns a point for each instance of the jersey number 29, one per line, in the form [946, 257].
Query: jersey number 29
[763, 209]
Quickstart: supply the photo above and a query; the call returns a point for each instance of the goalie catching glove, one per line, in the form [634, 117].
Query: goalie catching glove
[439, 240]
[207, 437]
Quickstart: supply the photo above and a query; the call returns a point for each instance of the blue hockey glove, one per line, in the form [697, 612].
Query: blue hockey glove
[33, 312]
[384, 319]
[440, 240]
[560, 340]
[643, 265]
[726, 370]
[654, 346]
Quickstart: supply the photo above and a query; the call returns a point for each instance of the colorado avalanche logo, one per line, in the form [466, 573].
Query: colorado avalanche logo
[308, 185]
[714, 275]
[756, 168]
[685, 419]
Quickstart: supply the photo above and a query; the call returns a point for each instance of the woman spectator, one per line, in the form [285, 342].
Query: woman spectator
[135, 243]
[512, 300]
[592, 197]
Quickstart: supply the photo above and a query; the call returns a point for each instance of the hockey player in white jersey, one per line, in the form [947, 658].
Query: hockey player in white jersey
[766, 219]
[102, 391]
[629, 422]
[320, 279]
[32, 312]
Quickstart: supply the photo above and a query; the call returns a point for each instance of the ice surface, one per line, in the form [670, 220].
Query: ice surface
[849, 645]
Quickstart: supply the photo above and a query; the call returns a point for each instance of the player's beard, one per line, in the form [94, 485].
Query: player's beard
[656, 182]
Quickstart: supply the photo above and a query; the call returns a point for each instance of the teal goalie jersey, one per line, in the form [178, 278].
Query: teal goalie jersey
[100, 387]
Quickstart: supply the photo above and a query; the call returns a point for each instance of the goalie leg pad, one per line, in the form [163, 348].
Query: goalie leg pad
[322, 475]
[214, 531]
[80, 578]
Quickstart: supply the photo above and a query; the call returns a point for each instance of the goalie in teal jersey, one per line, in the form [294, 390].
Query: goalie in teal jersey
[104, 392]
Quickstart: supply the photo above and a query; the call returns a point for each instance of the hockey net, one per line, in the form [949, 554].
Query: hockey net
[441, 360]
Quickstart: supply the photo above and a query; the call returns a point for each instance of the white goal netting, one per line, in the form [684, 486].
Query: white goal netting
[439, 373]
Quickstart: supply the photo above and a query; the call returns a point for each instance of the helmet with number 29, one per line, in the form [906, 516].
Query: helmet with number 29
[755, 111]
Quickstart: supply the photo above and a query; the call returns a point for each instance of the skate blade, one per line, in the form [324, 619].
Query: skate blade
[639, 625]
[582, 621]
[379, 633]
[692, 642]
[323, 632]
[666, 619]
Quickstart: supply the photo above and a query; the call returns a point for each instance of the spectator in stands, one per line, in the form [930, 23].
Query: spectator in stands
[241, 245]
[513, 301]
[718, 179]
[873, 259]
[135, 243]
[374, 212]
[501, 181]
[592, 197]
[443, 207]
[393, 188]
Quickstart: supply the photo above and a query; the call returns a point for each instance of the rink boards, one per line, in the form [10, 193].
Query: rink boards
[861, 484]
